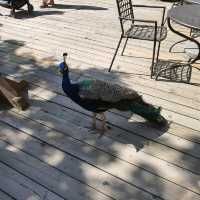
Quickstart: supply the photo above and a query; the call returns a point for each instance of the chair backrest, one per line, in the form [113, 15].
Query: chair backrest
[125, 9]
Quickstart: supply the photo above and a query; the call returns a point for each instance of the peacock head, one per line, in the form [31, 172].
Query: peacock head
[63, 65]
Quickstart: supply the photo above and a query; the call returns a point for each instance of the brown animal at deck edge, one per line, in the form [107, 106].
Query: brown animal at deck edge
[15, 93]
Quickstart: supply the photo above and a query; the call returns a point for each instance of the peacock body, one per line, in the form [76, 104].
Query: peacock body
[105, 91]
[99, 96]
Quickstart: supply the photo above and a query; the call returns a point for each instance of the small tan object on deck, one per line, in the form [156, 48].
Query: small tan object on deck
[15, 93]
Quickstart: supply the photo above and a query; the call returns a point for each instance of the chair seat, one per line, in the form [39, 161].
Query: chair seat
[144, 32]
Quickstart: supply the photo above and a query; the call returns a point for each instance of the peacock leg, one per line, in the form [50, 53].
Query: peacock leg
[103, 126]
[94, 121]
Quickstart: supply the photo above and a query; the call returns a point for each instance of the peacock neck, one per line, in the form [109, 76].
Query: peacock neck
[66, 80]
[70, 89]
[66, 83]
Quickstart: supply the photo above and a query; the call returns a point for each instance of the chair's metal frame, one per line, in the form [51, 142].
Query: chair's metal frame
[125, 10]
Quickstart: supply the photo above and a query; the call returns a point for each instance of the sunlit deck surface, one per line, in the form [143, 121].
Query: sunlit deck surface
[49, 152]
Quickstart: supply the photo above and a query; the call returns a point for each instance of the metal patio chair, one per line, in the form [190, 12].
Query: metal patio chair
[139, 28]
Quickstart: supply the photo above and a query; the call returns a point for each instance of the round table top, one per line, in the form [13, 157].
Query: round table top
[186, 15]
[192, 1]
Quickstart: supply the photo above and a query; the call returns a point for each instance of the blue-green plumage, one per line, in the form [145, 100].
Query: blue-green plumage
[72, 91]
[99, 96]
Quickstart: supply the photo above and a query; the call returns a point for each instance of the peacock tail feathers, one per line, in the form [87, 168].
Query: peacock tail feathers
[105, 91]
[149, 112]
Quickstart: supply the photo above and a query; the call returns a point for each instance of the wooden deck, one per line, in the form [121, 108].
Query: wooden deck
[49, 152]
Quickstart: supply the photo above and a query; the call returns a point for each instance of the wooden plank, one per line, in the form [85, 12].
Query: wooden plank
[67, 103]
[13, 181]
[71, 26]
[52, 196]
[18, 191]
[90, 153]
[70, 165]
[175, 129]
[177, 85]
[118, 121]
[140, 130]
[74, 31]
[177, 100]
[95, 15]
[5, 196]
[85, 49]
[89, 49]
[44, 92]
[166, 104]
[59, 185]
[17, 186]
[86, 39]
[169, 114]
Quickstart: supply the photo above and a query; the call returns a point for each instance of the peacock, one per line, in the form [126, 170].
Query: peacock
[99, 96]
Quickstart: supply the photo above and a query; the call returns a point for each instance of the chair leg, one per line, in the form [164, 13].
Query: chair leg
[153, 58]
[115, 53]
[191, 32]
[158, 51]
[124, 47]
[157, 56]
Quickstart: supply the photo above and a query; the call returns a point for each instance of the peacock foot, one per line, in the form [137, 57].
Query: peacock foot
[104, 130]
[100, 131]
[92, 129]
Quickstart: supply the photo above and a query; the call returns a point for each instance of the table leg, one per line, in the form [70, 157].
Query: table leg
[173, 45]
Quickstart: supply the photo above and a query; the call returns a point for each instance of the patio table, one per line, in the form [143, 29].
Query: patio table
[187, 16]
[193, 32]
